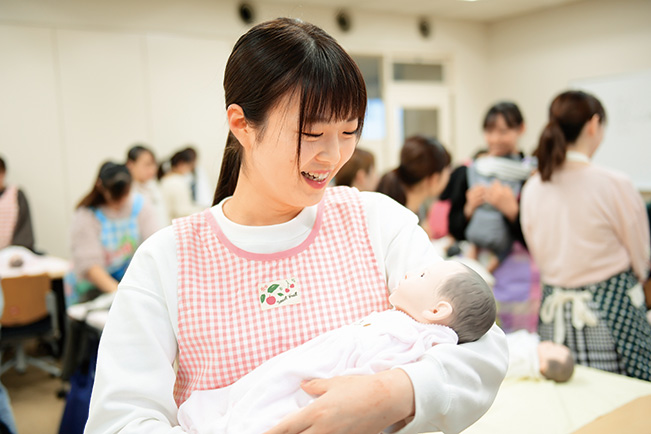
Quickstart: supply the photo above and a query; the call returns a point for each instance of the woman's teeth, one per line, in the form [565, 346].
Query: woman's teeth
[318, 178]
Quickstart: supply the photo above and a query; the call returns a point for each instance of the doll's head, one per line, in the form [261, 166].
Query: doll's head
[556, 362]
[447, 293]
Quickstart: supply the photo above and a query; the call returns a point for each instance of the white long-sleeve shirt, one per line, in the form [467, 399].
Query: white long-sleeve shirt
[258, 401]
[454, 385]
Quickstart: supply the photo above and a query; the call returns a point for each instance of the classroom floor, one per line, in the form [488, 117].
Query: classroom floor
[34, 401]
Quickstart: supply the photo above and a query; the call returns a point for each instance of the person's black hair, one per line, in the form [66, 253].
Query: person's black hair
[3, 166]
[288, 57]
[568, 114]
[186, 155]
[508, 110]
[136, 151]
[113, 179]
[420, 157]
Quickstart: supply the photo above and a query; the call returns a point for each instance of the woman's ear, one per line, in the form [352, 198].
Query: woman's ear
[593, 124]
[439, 314]
[239, 126]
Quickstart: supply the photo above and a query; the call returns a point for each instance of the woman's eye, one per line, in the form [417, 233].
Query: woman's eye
[350, 133]
[313, 135]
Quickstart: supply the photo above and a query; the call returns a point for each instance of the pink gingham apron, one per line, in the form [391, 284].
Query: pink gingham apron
[8, 215]
[224, 333]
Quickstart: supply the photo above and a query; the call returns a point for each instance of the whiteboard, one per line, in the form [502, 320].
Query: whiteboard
[627, 139]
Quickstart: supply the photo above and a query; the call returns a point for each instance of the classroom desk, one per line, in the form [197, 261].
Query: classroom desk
[546, 407]
[32, 264]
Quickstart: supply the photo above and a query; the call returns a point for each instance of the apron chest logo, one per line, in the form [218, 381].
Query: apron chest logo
[279, 293]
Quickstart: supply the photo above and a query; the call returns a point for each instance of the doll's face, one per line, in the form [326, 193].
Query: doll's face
[417, 292]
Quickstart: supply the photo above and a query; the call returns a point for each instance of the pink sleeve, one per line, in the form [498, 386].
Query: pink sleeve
[632, 227]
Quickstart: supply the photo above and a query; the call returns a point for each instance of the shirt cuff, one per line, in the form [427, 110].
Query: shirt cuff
[430, 396]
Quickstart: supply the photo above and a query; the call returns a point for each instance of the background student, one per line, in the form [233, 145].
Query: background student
[587, 229]
[295, 103]
[176, 185]
[107, 227]
[422, 175]
[359, 171]
[15, 220]
[517, 285]
[142, 166]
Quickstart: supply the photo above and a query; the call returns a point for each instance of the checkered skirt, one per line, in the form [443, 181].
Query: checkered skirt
[621, 340]
[224, 333]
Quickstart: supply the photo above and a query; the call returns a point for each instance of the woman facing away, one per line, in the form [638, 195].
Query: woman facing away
[422, 174]
[359, 171]
[295, 103]
[587, 229]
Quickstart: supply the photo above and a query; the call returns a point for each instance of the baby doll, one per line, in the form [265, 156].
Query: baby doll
[487, 228]
[444, 303]
[530, 358]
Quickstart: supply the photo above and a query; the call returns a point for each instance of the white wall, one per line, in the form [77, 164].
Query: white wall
[82, 81]
[532, 58]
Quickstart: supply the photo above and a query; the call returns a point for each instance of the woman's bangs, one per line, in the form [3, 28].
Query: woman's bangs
[333, 91]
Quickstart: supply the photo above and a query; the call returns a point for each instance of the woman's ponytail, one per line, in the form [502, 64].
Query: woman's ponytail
[551, 150]
[568, 114]
[230, 169]
[391, 185]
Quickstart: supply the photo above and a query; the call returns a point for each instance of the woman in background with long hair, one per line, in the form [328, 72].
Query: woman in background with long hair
[587, 229]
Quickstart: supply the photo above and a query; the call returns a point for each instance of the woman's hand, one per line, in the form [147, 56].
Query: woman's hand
[360, 404]
[475, 196]
[99, 277]
[502, 198]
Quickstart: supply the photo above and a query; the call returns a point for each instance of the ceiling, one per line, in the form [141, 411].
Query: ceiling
[479, 10]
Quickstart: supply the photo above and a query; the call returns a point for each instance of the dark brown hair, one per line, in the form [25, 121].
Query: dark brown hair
[288, 57]
[361, 160]
[420, 157]
[112, 179]
[568, 113]
[508, 110]
[187, 155]
[137, 150]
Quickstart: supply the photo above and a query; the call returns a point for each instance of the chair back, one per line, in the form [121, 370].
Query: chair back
[25, 299]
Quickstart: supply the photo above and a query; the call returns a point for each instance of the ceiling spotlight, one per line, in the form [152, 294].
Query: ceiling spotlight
[424, 28]
[343, 21]
[247, 14]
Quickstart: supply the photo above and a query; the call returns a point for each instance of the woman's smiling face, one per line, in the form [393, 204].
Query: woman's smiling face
[270, 163]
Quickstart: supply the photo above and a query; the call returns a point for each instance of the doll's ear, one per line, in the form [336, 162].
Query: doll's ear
[439, 314]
